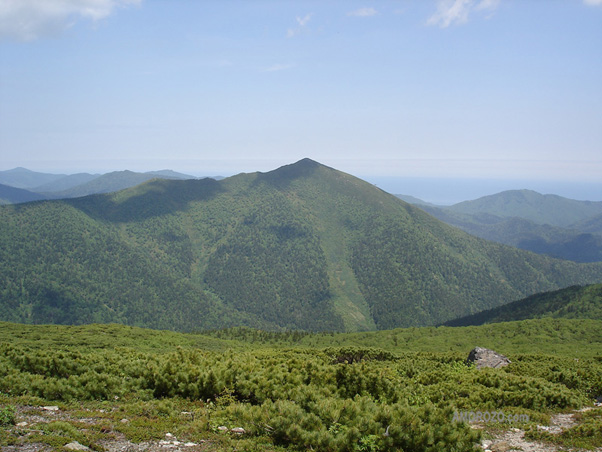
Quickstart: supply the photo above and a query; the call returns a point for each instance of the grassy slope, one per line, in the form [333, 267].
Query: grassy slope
[571, 303]
[304, 246]
[562, 337]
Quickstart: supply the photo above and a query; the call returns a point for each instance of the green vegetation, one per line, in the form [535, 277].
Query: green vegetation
[303, 247]
[545, 224]
[541, 209]
[571, 303]
[290, 397]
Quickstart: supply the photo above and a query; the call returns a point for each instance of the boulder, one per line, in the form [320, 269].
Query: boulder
[483, 357]
[76, 446]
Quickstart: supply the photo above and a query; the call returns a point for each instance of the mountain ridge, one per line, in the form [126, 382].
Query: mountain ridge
[301, 247]
[575, 302]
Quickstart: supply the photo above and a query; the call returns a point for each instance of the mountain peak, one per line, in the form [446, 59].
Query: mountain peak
[287, 173]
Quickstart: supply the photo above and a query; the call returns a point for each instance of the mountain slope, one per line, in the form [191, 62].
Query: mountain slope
[571, 303]
[110, 182]
[27, 179]
[66, 182]
[541, 209]
[12, 195]
[304, 246]
[577, 244]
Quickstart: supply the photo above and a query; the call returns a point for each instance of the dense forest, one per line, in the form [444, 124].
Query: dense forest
[571, 303]
[302, 247]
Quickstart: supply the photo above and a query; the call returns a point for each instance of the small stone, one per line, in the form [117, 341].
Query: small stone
[124, 421]
[75, 446]
[502, 446]
[176, 443]
[238, 430]
[169, 435]
[222, 428]
[515, 430]
[22, 424]
[189, 444]
[50, 408]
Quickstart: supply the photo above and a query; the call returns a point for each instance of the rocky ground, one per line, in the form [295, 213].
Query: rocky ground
[29, 421]
[514, 438]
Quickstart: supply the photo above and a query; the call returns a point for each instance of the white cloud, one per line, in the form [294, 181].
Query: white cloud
[593, 2]
[27, 20]
[278, 67]
[456, 12]
[302, 21]
[363, 12]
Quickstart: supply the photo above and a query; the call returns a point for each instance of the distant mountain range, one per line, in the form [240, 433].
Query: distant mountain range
[301, 247]
[59, 186]
[545, 224]
[574, 302]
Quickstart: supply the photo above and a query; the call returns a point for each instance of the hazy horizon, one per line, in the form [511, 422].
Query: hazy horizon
[436, 190]
[498, 90]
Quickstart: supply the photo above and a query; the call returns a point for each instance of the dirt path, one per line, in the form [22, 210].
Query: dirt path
[514, 439]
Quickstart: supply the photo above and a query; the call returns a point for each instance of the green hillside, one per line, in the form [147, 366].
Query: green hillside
[301, 247]
[541, 209]
[571, 303]
[111, 182]
[12, 195]
[581, 243]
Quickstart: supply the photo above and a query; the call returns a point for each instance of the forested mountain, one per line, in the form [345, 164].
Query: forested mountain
[300, 247]
[591, 225]
[12, 195]
[574, 302]
[65, 183]
[578, 244]
[58, 186]
[530, 205]
[27, 179]
[114, 181]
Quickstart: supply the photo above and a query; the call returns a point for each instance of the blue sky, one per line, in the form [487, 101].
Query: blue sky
[472, 90]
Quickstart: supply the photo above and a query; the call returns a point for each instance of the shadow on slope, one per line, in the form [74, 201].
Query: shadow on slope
[152, 199]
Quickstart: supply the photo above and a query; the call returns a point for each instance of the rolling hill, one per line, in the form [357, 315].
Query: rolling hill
[12, 195]
[578, 244]
[23, 178]
[574, 302]
[300, 247]
[113, 181]
[530, 205]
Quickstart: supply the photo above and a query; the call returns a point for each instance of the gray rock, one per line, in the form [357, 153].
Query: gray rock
[483, 357]
[238, 430]
[50, 408]
[76, 446]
